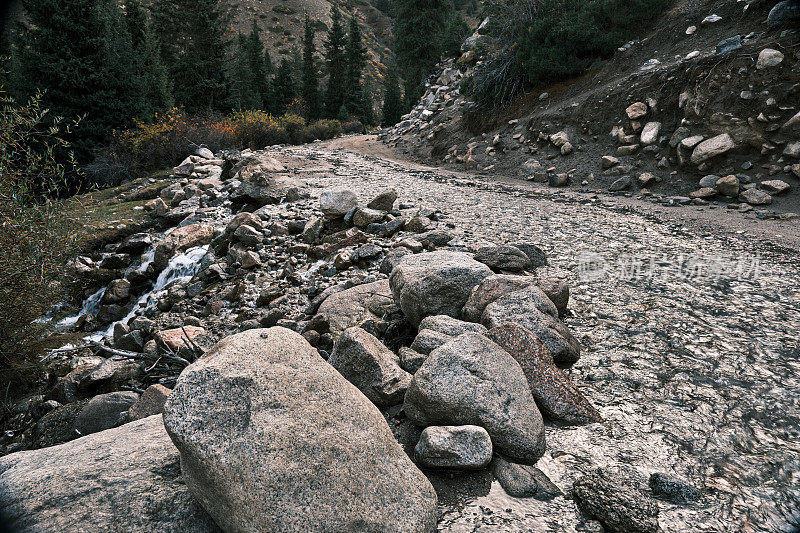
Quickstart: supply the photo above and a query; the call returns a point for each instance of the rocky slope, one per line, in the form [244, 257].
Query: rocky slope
[701, 110]
[299, 305]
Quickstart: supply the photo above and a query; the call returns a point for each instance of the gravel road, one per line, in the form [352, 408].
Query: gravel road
[690, 328]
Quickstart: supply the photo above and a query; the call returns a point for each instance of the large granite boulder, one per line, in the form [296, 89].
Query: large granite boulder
[123, 479]
[272, 438]
[472, 381]
[372, 367]
[352, 307]
[435, 283]
[533, 310]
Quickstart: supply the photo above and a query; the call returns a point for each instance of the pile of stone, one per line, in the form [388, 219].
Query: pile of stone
[283, 426]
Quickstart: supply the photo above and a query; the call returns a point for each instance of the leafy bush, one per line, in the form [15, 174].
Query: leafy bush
[34, 239]
[172, 135]
[535, 41]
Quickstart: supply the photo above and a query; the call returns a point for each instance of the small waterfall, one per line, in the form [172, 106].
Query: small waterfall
[181, 269]
[90, 307]
[313, 269]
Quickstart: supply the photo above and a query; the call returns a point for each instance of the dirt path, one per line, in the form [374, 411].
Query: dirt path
[690, 333]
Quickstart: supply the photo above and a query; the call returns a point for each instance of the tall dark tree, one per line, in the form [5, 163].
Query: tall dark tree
[243, 95]
[285, 90]
[309, 81]
[418, 31]
[194, 49]
[258, 77]
[152, 76]
[336, 65]
[356, 58]
[79, 52]
[393, 99]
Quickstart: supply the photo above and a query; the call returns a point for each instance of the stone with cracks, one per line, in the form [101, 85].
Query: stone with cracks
[456, 447]
[491, 289]
[435, 283]
[124, 479]
[472, 381]
[272, 438]
[354, 306]
[533, 310]
[557, 397]
[369, 365]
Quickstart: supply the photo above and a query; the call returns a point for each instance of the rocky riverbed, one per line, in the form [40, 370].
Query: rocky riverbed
[673, 394]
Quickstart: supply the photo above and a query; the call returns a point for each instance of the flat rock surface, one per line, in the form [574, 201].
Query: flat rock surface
[124, 479]
[695, 375]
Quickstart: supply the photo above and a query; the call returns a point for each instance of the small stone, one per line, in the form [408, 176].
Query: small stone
[705, 192]
[690, 30]
[609, 161]
[384, 201]
[729, 45]
[523, 481]
[650, 133]
[769, 57]
[755, 197]
[775, 186]
[646, 178]
[711, 19]
[628, 149]
[712, 147]
[150, 403]
[728, 185]
[457, 447]
[337, 203]
[636, 110]
[620, 184]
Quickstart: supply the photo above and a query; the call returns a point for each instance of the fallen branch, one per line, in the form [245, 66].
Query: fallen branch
[139, 356]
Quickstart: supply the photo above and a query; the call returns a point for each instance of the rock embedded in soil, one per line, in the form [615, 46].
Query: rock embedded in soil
[369, 365]
[472, 381]
[523, 481]
[614, 499]
[557, 397]
[456, 447]
[712, 147]
[532, 309]
[123, 479]
[435, 283]
[272, 438]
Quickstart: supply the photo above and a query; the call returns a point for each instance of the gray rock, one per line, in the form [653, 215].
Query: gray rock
[124, 479]
[411, 360]
[728, 185]
[490, 289]
[384, 201]
[364, 216]
[672, 489]
[616, 501]
[457, 447]
[472, 381]
[272, 438]
[435, 283]
[354, 306]
[709, 181]
[533, 310]
[338, 202]
[451, 326]
[104, 411]
[263, 188]
[504, 257]
[775, 186]
[428, 340]
[523, 481]
[536, 255]
[369, 365]
[392, 259]
[784, 13]
[729, 45]
[621, 184]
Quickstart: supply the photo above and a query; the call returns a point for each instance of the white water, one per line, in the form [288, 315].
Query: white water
[313, 269]
[181, 269]
[90, 306]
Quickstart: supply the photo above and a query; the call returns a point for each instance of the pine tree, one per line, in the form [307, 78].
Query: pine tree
[285, 90]
[152, 76]
[418, 30]
[356, 58]
[194, 50]
[393, 100]
[258, 77]
[336, 64]
[243, 94]
[79, 52]
[309, 81]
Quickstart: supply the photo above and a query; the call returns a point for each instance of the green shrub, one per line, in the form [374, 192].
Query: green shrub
[539, 41]
[35, 240]
[321, 130]
[294, 125]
